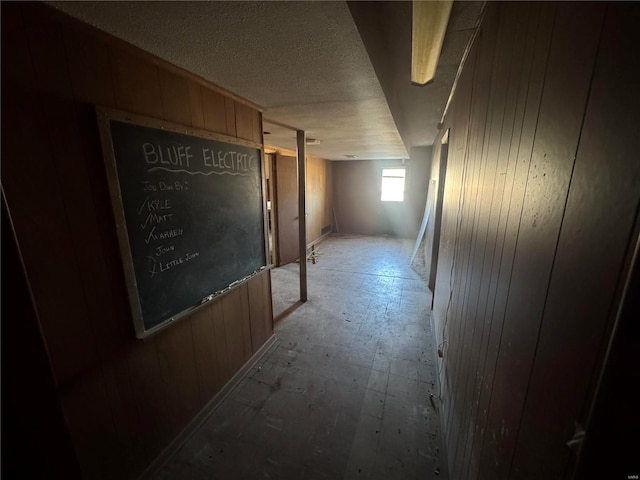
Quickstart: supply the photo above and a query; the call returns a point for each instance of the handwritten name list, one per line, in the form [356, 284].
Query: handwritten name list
[194, 216]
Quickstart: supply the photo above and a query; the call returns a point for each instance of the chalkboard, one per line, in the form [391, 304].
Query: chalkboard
[189, 211]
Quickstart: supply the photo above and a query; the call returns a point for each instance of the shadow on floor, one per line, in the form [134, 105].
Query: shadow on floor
[349, 389]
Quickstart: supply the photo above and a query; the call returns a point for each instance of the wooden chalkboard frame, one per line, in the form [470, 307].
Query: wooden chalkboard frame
[104, 116]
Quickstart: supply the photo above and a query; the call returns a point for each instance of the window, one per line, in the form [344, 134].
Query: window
[393, 184]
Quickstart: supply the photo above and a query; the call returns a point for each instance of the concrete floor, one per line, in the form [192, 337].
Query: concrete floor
[345, 390]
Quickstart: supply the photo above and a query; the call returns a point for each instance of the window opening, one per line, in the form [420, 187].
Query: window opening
[393, 184]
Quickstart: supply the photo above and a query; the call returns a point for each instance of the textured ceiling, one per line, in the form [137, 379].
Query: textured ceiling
[305, 63]
[385, 28]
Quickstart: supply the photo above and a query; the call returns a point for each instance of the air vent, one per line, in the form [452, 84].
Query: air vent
[326, 229]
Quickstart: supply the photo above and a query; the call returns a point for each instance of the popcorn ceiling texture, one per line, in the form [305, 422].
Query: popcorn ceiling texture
[303, 62]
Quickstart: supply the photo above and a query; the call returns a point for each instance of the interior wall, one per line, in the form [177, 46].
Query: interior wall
[432, 230]
[539, 209]
[285, 174]
[357, 188]
[124, 400]
[319, 197]
[319, 194]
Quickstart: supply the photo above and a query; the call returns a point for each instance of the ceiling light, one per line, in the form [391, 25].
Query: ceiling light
[313, 141]
[351, 156]
[429, 26]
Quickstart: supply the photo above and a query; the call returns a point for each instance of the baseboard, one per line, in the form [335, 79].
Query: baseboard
[319, 239]
[205, 413]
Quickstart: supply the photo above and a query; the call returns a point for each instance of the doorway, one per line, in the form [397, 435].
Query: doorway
[437, 219]
[285, 208]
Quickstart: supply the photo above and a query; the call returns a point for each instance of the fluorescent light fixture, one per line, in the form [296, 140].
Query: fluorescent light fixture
[430, 19]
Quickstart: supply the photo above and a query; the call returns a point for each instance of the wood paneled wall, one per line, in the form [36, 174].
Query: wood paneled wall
[319, 196]
[124, 400]
[358, 207]
[542, 192]
[319, 191]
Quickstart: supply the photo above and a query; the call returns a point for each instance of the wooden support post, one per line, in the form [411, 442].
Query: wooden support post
[302, 216]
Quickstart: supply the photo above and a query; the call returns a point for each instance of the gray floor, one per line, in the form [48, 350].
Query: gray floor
[345, 390]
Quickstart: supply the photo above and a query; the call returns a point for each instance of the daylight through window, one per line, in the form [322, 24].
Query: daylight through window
[393, 184]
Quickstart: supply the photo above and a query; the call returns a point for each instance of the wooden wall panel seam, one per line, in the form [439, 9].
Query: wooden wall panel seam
[106, 390]
[497, 107]
[56, 170]
[557, 242]
[122, 375]
[586, 206]
[70, 22]
[127, 379]
[506, 370]
[516, 68]
[508, 265]
[479, 113]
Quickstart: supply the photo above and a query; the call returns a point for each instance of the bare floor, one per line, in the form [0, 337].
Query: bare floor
[349, 388]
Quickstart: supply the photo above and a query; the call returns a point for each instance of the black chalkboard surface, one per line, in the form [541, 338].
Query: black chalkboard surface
[189, 210]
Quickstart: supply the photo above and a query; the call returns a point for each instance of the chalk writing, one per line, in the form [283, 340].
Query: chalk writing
[175, 186]
[157, 267]
[167, 155]
[206, 174]
[162, 249]
[234, 161]
[164, 235]
[154, 205]
[194, 219]
[155, 218]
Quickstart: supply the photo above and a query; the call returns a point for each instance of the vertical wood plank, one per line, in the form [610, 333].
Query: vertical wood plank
[213, 107]
[244, 121]
[122, 395]
[99, 452]
[256, 313]
[176, 101]
[50, 51]
[475, 167]
[37, 206]
[245, 323]
[581, 296]
[205, 353]
[196, 104]
[152, 408]
[222, 359]
[89, 68]
[232, 313]
[571, 62]
[48, 48]
[267, 305]
[179, 374]
[230, 114]
[137, 85]
[257, 126]
[525, 20]
[32, 414]
[489, 189]
[513, 199]
[124, 399]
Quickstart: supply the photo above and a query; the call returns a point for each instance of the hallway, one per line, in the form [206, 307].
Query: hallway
[345, 390]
